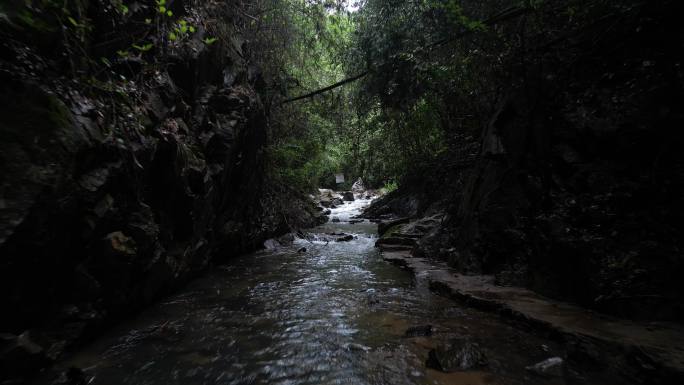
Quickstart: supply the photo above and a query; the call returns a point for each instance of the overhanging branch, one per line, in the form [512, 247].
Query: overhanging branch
[328, 88]
[508, 14]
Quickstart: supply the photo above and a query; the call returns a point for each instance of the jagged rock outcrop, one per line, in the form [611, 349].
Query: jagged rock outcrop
[115, 189]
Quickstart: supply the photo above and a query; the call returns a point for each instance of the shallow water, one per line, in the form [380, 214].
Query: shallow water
[335, 314]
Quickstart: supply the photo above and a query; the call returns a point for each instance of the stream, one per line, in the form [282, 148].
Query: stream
[334, 314]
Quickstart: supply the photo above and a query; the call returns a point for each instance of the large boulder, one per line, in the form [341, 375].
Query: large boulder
[457, 355]
[345, 238]
[348, 196]
[358, 187]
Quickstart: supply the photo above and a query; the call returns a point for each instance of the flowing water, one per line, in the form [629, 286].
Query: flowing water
[334, 314]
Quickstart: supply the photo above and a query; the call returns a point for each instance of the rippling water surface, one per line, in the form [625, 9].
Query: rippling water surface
[335, 314]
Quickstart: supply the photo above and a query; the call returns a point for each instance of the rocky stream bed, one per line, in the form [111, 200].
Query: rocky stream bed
[325, 309]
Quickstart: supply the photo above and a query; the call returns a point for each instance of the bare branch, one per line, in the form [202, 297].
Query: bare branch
[507, 14]
[328, 88]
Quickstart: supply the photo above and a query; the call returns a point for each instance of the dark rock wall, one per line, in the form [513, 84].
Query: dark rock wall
[114, 192]
[578, 191]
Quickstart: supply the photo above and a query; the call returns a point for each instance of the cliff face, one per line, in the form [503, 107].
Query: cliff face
[122, 178]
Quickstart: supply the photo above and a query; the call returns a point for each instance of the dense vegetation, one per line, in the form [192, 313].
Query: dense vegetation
[141, 140]
[546, 130]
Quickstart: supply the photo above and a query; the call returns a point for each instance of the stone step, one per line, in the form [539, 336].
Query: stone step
[383, 226]
[395, 241]
[409, 235]
[395, 247]
[649, 352]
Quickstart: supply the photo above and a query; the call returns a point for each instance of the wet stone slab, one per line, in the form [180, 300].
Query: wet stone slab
[634, 352]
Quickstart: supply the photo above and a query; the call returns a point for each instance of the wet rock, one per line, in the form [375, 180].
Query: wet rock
[358, 187]
[383, 226]
[348, 196]
[73, 376]
[550, 367]
[19, 354]
[372, 297]
[354, 347]
[457, 355]
[335, 220]
[329, 200]
[393, 205]
[143, 228]
[321, 219]
[271, 244]
[302, 235]
[94, 179]
[419, 331]
[346, 238]
[87, 287]
[395, 241]
[286, 239]
[119, 244]
[302, 250]
[354, 221]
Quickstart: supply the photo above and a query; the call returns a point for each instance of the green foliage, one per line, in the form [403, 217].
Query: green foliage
[457, 17]
[144, 47]
[309, 41]
[377, 130]
[210, 40]
[293, 164]
[181, 30]
[390, 186]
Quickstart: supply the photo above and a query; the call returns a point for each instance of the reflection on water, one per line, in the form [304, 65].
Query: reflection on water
[335, 314]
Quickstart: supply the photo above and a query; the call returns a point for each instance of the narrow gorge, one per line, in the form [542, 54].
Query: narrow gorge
[341, 192]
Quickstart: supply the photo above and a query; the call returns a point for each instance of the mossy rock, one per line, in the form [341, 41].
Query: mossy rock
[393, 231]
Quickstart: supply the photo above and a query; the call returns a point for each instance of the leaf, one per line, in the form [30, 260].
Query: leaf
[144, 47]
[191, 29]
[73, 22]
[161, 2]
[210, 40]
[148, 21]
[169, 13]
[162, 9]
[124, 9]
[172, 36]
[105, 61]
[122, 53]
